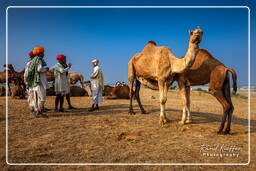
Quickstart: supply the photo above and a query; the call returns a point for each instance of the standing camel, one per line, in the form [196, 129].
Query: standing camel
[207, 69]
[156, 67]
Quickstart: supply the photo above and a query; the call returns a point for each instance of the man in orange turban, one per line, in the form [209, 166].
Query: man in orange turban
[37, 82]
[37, 50]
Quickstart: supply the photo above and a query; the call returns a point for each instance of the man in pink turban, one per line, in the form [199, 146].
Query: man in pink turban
[61, 84]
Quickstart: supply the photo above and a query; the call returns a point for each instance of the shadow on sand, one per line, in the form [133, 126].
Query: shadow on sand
[198, 117]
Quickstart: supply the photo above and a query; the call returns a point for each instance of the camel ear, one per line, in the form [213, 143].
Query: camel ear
[190, 32]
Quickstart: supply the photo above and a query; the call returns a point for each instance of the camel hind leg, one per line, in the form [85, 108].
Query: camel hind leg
[226, 90]
[218, 88]
[137, 95]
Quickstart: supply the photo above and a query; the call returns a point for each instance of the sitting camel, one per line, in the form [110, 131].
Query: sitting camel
[18, 90]
[156, 67]
[2, 91]
[207, 69]
[13, 77]
[119, 91]
[76, 91]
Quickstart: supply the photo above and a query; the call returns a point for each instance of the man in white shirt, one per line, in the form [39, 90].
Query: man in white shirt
[61, 84]
[97, 85]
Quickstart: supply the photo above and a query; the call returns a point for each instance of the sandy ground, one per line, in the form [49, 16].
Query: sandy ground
[110, 135]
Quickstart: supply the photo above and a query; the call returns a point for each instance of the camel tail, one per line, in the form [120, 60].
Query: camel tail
[234, 77]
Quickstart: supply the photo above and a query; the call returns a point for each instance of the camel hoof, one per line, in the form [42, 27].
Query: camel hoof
[131, 113]
[144, 112]
[182, 122]
[163, 121]
[188, 121]
[226, 132]
[220, 132]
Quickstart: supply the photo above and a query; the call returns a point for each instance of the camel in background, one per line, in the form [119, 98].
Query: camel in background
[73, 77]
[207, 69]
[13, 77]
[119, 91]
[156, 67]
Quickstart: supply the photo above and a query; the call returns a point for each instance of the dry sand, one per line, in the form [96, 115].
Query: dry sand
[110, 135]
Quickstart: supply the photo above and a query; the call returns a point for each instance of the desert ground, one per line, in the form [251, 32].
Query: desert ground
[110, 135]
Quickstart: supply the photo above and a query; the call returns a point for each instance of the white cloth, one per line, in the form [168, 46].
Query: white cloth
[37, 95]
[97, 96]
[61, 85]
[97, 79]
[36, 98]
[97, 85]
[43, 80]
[26, 72]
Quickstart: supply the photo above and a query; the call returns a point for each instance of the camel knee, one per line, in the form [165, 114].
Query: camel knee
[163, 101]
[228, 108]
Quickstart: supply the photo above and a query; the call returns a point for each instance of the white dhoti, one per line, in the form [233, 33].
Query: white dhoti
[36, 98]
[97, 85]
[37, 94]
[97, 96]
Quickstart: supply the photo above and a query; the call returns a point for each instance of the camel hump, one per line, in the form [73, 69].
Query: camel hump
[152, 42]
[149, 48]
[204, 52]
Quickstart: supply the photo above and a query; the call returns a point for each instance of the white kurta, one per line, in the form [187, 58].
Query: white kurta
[97, 85]
[61, 85]
[37, 95]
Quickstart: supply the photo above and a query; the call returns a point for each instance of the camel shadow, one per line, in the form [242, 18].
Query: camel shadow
[198, 117]
[205, 118]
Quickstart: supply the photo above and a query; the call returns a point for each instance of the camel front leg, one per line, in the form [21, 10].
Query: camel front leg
[187, 106]
[163, 89]
[131, 111]
[185, 97]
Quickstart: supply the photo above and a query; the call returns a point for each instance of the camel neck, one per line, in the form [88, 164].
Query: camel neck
[192, 50]
[191, 54]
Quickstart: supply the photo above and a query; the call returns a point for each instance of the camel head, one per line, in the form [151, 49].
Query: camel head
[9, 67]
[195, 35]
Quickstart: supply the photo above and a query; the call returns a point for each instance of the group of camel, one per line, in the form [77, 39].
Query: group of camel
[157, 68]
[118, 91]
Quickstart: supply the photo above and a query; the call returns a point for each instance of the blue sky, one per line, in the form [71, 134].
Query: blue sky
[114, 35]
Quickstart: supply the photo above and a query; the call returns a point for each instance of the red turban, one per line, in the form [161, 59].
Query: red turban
[60, 57]
[30, 54]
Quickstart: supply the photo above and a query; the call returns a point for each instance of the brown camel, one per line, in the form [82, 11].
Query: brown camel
[10, 70]
[107, 90]
[120, 91]
[207, 69]
[18, 89]
[13, 77]
[2, 91]
[76, 91]
[73, 77]
[156, 67]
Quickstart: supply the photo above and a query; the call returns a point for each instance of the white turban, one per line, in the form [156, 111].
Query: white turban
[95, 60]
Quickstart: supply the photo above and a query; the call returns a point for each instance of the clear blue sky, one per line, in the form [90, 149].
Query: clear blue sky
[115, 35]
